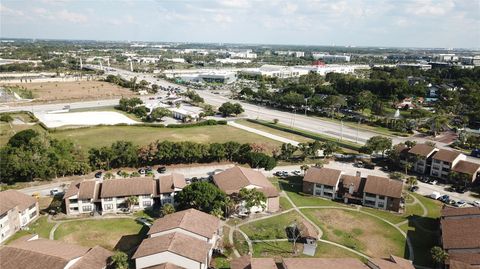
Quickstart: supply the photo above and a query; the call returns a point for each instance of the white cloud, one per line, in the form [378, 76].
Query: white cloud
[235, 3]
[430, 8]
[69, 16]
[289, 8]
[4, 10]
[222, 18]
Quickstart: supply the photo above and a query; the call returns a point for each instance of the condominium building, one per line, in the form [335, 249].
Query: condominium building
[111, 196]
[372, 191]
[443, 161]
[17, 210]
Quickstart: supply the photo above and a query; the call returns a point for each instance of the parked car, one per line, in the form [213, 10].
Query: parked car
[151, 98]
[435, 195]
[476, 203]
[461, 203]
[144, 221]
[98, 174]
[161, 169]
[141, 171]
[461, 189]
[452, 202]
[444, 198]
[54, 192]
[432, 181]
[414, 188]
[148, 169]
[476, 153]
[451, 189]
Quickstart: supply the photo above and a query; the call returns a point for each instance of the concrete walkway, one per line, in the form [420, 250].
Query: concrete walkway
[262, 133]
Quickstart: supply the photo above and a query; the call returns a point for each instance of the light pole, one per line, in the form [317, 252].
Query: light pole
[358, 126]
[341, 130]
[306, 100]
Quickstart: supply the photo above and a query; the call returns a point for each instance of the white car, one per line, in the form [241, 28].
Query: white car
[476, 203]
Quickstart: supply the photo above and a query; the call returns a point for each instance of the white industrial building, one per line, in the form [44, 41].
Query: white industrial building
[300, 70]
[330, 58]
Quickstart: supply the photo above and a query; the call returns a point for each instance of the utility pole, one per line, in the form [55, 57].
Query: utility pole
[101, 66]
[358, 126]
[131, 66]
[341, 130]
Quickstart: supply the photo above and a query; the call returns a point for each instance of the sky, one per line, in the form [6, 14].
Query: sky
[382, 23]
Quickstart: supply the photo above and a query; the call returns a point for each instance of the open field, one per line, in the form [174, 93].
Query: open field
[271, 228]
[74, 91]
[122, 233]
[54, 120]
[358, 231]
[141, 135]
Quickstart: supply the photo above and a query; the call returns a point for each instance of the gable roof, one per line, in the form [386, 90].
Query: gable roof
[463, 260]
[460, 232]
[448, 211]
[325, 176]
[247, 262]
[165, 266]
[168, 183]
[12, 198]
[392, 263]
[87, 190]
[178, 243]
[44, 253]
[446, 155]
[73, 189]
[234, 179]
[96, 258]
[383, 186]
[321, 263]
[355, 181]
[191, 220]
[466, 167]
[422, 150]
[127, 187]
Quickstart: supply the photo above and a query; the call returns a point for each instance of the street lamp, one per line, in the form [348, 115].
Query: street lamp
[306, 100]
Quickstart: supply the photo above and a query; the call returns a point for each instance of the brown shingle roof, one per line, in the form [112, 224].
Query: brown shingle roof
[165, 266]
[460, 232]
[446, 155]
[96, 258]
[348, 180]
[39, 253]
[322, 263]
[383, 186]
[178, 243]
[73, 189]
[168, 183]
[127, 187]
[466, 167]
[191, 220]
[448, 211]
[392, 263]
[247, 262]
[325, 176]
[235, 178]
[87, 190]
[464, 260]
[12, 198]
[422, 150]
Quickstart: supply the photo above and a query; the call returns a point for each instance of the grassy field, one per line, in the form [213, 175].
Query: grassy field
[41, 227]
[240, 243]
[105, 135]
[264, 128]
[121, 234]
[271, 228]
[75, 91]
[22, 121]
[358, 231]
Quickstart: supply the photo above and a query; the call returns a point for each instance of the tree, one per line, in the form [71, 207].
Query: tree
[304, 168]
[305, 150]
[439, 256]
[252, 198]
[120, 260]
[364, 100]
[437, 123]
[140, 111]
[329, 148]
[6, 118]
[23, 138]
[228, 109]
[131, 201]
[108, 175]
[334, 102]
[411, 181]
[159, 113]
[167, 209]
[203, 196]
[379, 143]
[460, 178]
[287, 150]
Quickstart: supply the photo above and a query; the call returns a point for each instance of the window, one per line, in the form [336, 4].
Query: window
[445, 169]
[381, 197]
[147, 203]
[436, 161]
[33, 214]
[109, 199]
[108, 207]
[32, 207]
[382, 205]
[436, 167]
[435, 174]
[73, 201]
[85, 200]
[87, 208]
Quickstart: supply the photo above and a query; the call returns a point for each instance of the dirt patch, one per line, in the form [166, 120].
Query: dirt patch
[358, 231]
[74, 91]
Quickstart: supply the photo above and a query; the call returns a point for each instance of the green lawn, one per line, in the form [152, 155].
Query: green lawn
[121, 234]
[271, 228]
[387, 215]
[40, 227]
[264, 128]
[285, 204]
[358, 231]
[240, 243]
[141, 135]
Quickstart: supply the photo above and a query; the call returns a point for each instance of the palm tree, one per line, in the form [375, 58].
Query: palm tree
[437, 123]
[167, 209]
[131, 201]
[120, 260]
[304, 168]
[439, 256]
[412, 181]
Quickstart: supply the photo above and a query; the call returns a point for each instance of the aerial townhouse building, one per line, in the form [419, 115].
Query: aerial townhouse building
[443, 162]
[17, 210]
[232, 180]
[111, 196]
[424, 154]
[372, 191]
[321, 181]
[184, 239]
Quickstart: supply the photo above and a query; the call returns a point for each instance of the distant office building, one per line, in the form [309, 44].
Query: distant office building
[445, 57]
[416, 66]
[297, 54]
[330, 58]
